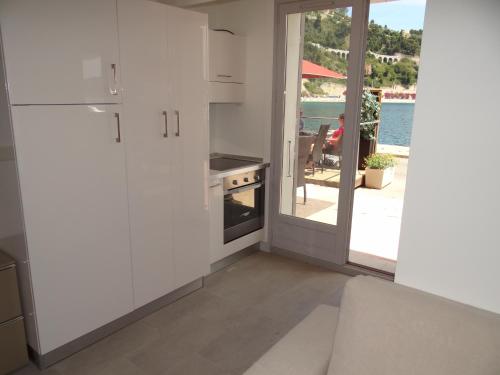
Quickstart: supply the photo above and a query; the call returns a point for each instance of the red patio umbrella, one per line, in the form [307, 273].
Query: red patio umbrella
[312, 70]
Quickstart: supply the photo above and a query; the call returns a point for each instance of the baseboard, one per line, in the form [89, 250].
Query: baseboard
[347, 269]
[56, 355]
[233, 258]
[265, 246]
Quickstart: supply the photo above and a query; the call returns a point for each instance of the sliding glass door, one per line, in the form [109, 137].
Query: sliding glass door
[318, 73]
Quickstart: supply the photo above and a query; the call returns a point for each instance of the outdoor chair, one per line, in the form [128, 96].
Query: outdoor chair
[304, 151]
[317, 152]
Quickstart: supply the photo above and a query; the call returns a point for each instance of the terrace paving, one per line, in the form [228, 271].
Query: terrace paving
[376, 216]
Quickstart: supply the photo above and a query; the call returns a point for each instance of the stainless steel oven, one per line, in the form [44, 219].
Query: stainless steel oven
[244, 196]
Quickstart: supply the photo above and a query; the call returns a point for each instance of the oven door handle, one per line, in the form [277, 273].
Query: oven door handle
[244, 188]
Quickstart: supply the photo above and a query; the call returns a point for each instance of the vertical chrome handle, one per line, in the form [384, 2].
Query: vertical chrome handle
[165, 114]
[114, 90]
[178, 133]
[118, 138]
[289, 159]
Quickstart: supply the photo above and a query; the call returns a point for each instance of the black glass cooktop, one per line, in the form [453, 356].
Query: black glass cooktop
[224, 164]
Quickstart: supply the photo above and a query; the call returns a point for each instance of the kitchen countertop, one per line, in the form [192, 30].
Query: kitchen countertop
[216, 176]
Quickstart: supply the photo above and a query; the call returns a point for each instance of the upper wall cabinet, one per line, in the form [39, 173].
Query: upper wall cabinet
[61, 51]
[226, 67]
[227, 57]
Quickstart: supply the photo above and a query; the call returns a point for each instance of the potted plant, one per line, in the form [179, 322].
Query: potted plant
[370, 113]
[379, 170]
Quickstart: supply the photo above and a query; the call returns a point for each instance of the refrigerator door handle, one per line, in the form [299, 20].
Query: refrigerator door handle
[113, 90]
[177, 114]
[165, 114]
[118, 138]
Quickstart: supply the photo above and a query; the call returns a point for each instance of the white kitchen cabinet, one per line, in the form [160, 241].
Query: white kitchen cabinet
[216, 204]
[146, 115]
[114, 196]
[189, 99]
[227, 57]
[71, 162]
[220, 92]
[61, 51]
[166, 121]
[226, 67]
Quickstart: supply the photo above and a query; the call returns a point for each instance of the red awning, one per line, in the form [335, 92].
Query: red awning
[311, 70]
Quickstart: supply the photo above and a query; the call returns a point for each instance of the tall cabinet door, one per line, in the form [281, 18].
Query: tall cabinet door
[189, 95]
[61, 51]
[71, 162]
[143, 50]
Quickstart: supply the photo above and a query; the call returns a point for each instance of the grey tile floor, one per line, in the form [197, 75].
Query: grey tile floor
[220, 329]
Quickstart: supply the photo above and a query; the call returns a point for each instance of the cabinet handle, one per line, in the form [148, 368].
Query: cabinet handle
[113, 90]
[165, 114]
[7, 267]
[224, 75]
[118, 138]
[289, 159]
[178, 133]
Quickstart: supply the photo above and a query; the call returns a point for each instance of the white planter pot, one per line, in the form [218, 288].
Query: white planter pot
[378, 178]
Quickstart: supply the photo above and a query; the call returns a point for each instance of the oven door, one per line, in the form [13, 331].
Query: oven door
[243, 211]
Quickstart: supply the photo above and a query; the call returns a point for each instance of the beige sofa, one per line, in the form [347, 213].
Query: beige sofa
[382, 328]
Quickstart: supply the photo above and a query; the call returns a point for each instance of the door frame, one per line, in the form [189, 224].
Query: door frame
[318, 240]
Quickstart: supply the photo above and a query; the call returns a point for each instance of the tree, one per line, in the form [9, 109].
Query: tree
[332, 30]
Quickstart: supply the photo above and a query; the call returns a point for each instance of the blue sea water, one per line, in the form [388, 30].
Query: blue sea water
[395, 125]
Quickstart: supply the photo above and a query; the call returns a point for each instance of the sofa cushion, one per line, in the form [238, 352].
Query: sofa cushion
[305, 350]
[389, 329]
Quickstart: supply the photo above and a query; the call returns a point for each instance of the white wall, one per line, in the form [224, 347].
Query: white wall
[245, 129]
[450, 242]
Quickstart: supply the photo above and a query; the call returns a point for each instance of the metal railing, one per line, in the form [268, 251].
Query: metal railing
[319, 118]
[336, 118]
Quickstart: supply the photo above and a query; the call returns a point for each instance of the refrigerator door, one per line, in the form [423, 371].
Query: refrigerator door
[73, 183]
[61, 51]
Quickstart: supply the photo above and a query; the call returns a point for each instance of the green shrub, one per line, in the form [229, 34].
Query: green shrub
[380, 161]
[370, 111]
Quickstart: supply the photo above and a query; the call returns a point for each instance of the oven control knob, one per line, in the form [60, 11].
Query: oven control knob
[245, 179]
[235, 182]
[257, 178]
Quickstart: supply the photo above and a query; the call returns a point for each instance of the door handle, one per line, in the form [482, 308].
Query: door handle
[113, 90]
[118, 138]
[178, 133]
[289, 159]
[165, 114]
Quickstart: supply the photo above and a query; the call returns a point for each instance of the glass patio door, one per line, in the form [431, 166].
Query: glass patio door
[319, 70]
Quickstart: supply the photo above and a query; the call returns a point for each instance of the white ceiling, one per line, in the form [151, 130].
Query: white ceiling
[191, 3]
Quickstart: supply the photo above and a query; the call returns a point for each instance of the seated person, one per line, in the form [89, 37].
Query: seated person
[333, 142]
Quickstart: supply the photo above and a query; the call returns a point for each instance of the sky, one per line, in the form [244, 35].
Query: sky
[399, 15]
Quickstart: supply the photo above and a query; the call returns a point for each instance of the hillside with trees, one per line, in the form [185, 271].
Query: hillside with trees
[331, 29]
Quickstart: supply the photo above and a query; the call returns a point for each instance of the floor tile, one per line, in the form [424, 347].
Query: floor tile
[220, 329]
